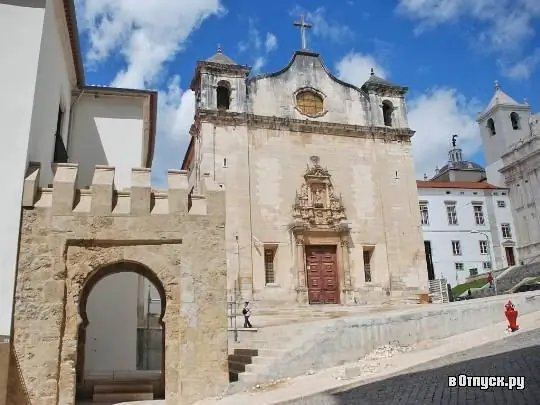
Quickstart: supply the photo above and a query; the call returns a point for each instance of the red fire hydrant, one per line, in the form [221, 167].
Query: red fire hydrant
[511, 315]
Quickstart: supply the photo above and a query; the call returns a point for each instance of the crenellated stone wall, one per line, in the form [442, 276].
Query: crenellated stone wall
[70, 238]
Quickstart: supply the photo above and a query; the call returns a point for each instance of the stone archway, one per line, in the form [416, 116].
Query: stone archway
[84, 390]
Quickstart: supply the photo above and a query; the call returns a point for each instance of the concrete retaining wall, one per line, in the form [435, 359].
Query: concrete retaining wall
[351, 338]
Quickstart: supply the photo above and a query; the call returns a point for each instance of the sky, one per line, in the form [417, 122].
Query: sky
[447, 52]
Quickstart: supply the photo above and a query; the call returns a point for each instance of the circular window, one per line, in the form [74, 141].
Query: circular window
[309, 103]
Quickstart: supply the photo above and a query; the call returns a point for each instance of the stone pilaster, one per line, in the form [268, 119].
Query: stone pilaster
[301, 287]
[348, 293]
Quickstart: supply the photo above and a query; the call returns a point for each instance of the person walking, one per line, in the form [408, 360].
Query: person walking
[247, 313]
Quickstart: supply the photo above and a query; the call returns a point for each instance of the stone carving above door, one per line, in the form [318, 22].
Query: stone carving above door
[317, 206]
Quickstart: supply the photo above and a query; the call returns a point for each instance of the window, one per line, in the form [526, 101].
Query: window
[486, 265]
[491, 126]
[459, 266]
[269, 256]
[501, 204]
[424, 213]
[456, 248]
[451, 213]
[506, 231]
[225, 162]
[478, 214]
[60, 151]
[514, 119]
[223, 95]
[473, 272]
[483, 247]
[367, 266]
[309, 103]
[387, 110]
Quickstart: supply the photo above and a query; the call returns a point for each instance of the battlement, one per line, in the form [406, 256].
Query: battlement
[102, 198]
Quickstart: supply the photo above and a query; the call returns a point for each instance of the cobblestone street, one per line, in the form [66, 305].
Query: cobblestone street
[428, 383]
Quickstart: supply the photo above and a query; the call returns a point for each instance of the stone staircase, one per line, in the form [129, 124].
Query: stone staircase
[509, 279]
[281, 331]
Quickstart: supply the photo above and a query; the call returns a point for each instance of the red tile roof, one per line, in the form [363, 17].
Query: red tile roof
[471, 185]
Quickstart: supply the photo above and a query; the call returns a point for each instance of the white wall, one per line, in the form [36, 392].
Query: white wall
[493, 175]
[107, 130]
[53, 88]
[441, 234]
[20, 42]
[111, 336]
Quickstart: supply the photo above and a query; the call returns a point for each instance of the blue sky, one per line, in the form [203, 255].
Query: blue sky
[448, 52]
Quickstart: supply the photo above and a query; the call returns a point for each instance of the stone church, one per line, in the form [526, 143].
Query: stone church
[321, 197]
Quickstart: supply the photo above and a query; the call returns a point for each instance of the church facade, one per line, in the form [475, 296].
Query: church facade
[321, 196]
[511, 139]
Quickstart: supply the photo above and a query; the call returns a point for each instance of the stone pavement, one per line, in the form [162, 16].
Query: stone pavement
[428, 383]
[317, 389]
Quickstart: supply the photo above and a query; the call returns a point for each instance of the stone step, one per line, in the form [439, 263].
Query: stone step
[237, 367]
[238, 358]
[121, 387]
[248, 378]
[114, 397]
[246, 352]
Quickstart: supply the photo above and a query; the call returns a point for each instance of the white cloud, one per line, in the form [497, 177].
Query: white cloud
[271, 42]
[498, 25]
[522, 69]
[255, 46]
[436, 115]
[176, 111]
[355, 68]
[147, 35]
[322, 26]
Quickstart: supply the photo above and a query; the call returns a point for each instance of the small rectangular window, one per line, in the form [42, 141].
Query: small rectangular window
[501, 204]
[367, 266]
[483, 247]
[456, 248]
[486, 265]
[451, 214]
[459, 266]
[506, 231]
[269, 257]
[478, 215]
[424, 213]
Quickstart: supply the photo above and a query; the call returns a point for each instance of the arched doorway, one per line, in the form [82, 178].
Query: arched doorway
[121, 340]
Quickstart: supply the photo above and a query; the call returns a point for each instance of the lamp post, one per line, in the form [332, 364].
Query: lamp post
[489, 253]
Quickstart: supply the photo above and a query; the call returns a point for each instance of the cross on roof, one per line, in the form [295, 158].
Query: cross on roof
[302, 24]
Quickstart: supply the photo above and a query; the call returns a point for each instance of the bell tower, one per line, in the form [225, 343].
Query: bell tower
[219, 83]
[503, 123]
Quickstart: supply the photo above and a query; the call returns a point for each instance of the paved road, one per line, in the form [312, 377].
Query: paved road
[425, 384]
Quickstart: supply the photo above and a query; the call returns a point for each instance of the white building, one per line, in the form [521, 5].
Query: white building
[511, 140]
[467, 223]
[48, 115]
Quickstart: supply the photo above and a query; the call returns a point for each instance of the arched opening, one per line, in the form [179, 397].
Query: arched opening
[387, 109]
[514, 119]
[223, 94]
[491, 126]
[121, 340]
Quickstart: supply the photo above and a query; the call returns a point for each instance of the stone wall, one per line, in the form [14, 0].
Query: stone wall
[70, 238]
[4, 367]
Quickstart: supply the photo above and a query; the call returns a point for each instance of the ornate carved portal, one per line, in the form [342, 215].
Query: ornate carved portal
[317, 205]
[318, 220]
